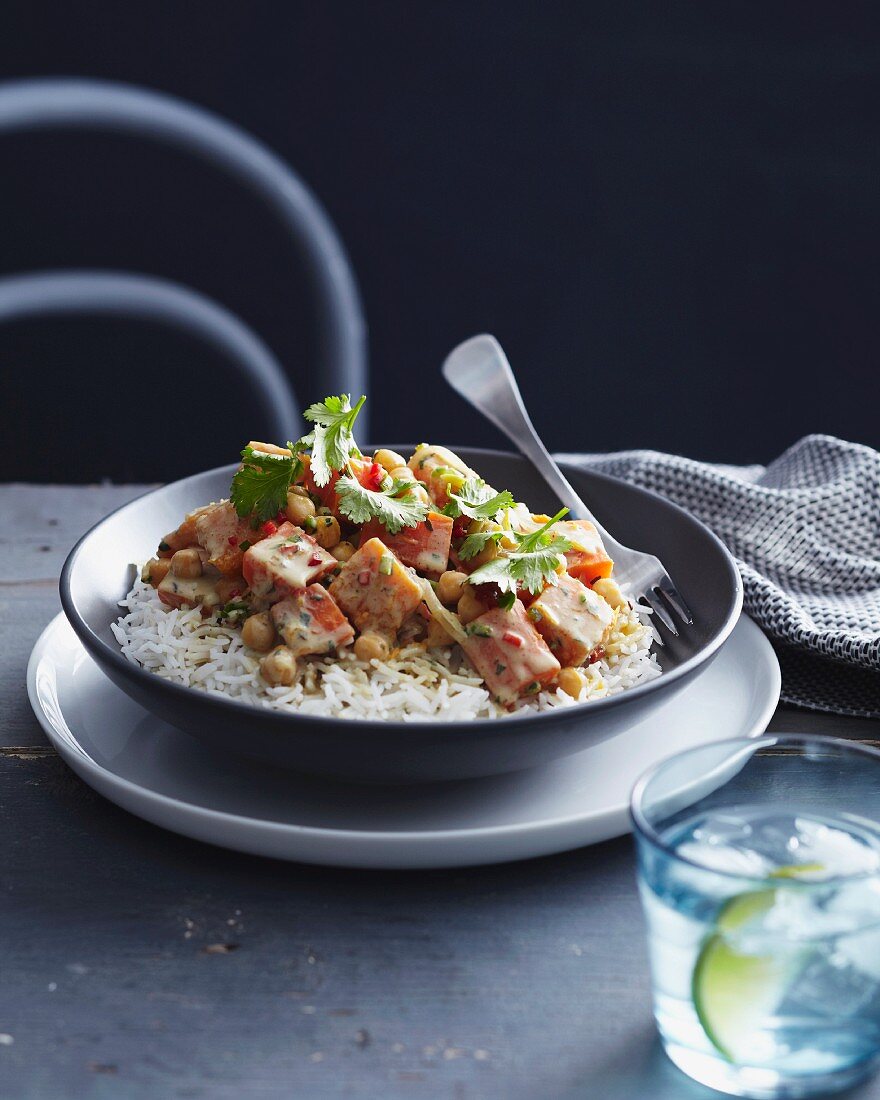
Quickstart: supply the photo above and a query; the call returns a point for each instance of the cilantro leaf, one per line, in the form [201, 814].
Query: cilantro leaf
[532, 569]
[233, 611]
[332, 441]
[478, 501]
[260, 485]
[360, 505]
[536, 540]
[304, 443]
[475, 543]
[532, 565]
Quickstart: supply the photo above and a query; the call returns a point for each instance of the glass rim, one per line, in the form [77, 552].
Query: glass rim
[646, 830]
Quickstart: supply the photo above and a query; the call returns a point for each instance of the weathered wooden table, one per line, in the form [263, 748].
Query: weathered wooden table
[525, 980]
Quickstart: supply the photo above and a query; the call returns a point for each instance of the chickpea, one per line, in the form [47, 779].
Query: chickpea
[450, 587]
[279, 666]
[298, 491]
[342, 551]
[327, 532]
[371, 646]
[470, 606]
[420, 493]
[402, 473]
[437, 636]
[609, 590]
[389, 460]
[571, 680]
[187, 564]
[299, 507]
[489, 551]
[155, 571]
[258, 632]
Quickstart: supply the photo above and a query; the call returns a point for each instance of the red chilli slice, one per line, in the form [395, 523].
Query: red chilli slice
[374, 476]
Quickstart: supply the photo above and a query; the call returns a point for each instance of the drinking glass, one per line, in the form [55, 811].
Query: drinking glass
[759, 873]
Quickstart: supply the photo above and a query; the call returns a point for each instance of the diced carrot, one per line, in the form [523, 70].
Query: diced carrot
[587, 560]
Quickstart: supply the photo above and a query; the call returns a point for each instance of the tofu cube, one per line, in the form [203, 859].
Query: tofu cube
[310, 622]
[509, 654]
[176, 591]
[374, 590]
[277, 566]
[220, 531]
[572, 619]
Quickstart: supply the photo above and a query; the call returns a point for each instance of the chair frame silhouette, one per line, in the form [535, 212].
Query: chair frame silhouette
[341, 367]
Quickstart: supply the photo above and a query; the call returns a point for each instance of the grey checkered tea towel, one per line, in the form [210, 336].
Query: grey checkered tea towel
[805, 532]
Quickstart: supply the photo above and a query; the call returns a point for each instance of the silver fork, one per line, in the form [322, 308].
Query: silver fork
[479, 371]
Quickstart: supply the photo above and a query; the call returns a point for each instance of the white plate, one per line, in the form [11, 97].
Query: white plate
[166, 777]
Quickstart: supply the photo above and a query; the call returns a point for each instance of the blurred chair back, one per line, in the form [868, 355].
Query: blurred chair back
[341, 364]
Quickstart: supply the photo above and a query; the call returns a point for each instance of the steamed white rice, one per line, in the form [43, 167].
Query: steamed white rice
[414, 685]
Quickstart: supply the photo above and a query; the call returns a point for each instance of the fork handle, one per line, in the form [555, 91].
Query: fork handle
[478, 370]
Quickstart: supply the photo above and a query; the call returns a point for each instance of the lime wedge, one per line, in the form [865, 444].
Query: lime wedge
[795, 870]
[734, 992]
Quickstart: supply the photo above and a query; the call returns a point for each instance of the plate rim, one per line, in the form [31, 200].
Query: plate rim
[81, 761]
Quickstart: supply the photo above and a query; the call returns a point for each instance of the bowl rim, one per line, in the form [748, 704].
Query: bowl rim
[103, 651]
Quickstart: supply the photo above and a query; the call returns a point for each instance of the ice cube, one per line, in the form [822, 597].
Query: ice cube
[722, 829]
[830, 985]
[838, 851]
[724, 857]
[859, 904]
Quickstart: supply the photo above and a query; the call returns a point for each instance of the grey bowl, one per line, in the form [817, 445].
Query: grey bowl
[98, 573]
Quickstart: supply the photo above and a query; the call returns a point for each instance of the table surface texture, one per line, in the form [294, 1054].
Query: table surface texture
[136, 963]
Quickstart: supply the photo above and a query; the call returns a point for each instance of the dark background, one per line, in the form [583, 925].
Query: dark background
[668, 216]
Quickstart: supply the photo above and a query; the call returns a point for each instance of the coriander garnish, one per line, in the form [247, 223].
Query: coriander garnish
[259, 488]
[532, 564]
